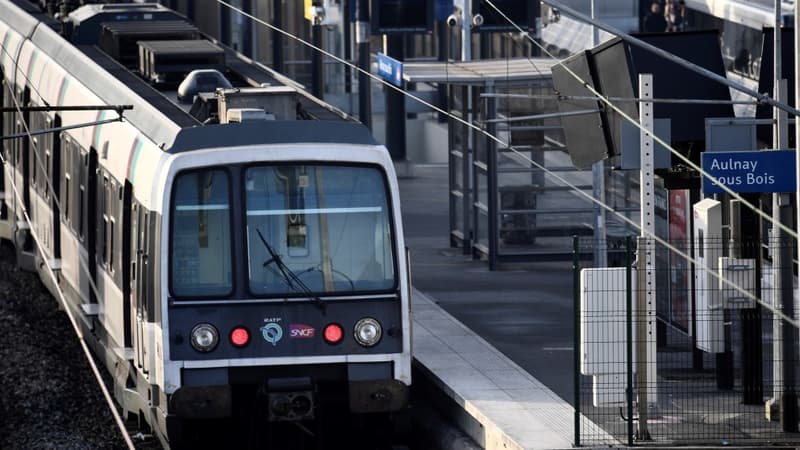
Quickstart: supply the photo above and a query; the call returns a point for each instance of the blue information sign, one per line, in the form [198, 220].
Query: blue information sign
[743, 172]
[390, 70]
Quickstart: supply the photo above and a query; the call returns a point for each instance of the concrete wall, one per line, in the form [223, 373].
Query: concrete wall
[426, 138]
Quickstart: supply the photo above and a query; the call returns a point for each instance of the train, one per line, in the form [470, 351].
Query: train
[741, 23]
[230, 243]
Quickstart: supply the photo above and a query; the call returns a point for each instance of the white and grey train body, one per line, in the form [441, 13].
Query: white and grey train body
[207, 262]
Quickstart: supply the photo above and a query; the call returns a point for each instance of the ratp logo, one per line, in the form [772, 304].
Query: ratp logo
[272, 333]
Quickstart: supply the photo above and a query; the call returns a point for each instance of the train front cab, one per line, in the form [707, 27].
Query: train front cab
[287, 290]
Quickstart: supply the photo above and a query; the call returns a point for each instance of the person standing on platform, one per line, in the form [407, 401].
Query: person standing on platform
[654, 21]
[676, 15]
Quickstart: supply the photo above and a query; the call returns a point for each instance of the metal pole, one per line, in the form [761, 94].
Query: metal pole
[796, 103]
[576, 327]
[595, 30]
[599, 186]
[646, 351]
[779, 140]
[491, 181]
[466, 31]
[788, 400]
[642, 433]
[348, 46]
[629, 337]
[675, 59]
[364, 89]
[443, 38]
[277, 38]
[316, 61]
[395, 103]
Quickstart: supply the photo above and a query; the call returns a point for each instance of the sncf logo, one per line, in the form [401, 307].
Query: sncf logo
[300, 331]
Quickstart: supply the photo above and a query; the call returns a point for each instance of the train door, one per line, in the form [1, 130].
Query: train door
[88, 215]
[139, 279]
[21, 159]
[53, 159]
[123, 213]
[5, 102]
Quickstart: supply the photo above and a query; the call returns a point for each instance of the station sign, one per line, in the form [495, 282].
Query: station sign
[390, 69]
[750, 172]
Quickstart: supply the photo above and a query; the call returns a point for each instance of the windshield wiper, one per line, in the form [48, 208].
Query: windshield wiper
[289, 277]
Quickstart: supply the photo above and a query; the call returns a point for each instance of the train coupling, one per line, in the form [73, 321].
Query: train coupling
[289, 399]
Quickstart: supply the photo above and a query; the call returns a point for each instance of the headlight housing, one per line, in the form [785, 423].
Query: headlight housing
[204, 337]
[367, 332]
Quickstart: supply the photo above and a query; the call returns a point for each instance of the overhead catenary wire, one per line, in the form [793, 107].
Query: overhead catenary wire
[43, 251]
[679, 155]
[578, 192]
[703, 72]
[764, 98]
[82, 261]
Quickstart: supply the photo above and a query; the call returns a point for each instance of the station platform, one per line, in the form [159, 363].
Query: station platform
[504, 407]
[497, 343]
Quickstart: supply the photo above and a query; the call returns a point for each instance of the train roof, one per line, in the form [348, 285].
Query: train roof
[88, 19]
[156, 112]
[152, 113]
[26, 16]
[272, 132]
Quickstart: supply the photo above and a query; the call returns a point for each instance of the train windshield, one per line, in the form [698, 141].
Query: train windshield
[201, 235]
[318, 228]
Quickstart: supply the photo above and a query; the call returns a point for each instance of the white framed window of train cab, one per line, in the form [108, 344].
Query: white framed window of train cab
[109, 222]
[330, 225]
[200, 256]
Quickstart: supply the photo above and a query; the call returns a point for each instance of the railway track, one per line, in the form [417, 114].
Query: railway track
[49, 396]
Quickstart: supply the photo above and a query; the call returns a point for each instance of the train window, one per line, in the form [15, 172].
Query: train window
[8, 118]
[34, 124]
[106, 223]
[45, 170]
[81, 210]
[111, 226]
[2, 101]
[200, 255]
[329, 224]
[65, 203]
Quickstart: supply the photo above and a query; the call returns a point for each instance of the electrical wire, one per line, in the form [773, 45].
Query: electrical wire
[578, 192]
[51, 274]
[657, 139]
[84, 264]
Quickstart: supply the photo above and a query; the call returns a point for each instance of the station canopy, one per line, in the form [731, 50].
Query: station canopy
[481, 72]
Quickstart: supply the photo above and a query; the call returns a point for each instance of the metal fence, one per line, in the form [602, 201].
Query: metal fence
[694, 355]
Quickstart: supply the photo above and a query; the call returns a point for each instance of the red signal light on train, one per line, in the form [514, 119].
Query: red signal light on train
[333, 333]
[240, 336]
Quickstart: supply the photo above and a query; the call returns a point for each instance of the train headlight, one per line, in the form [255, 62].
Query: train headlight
[204, 337]
[367, 332]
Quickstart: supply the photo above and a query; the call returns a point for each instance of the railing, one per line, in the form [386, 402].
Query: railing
[716, 364]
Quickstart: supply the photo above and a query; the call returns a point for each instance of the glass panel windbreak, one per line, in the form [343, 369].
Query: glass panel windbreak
[327, 226]
[201, 235]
